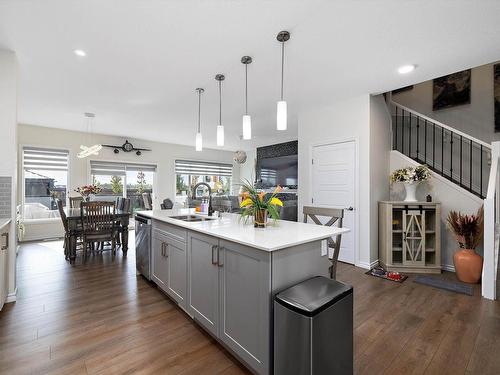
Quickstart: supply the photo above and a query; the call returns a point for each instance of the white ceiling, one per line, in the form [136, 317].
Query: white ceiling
[146, 57]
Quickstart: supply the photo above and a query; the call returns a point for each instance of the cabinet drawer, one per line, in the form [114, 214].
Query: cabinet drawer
[173, 231]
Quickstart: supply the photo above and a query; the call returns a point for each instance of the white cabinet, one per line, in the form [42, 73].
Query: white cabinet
[244, 294]
[159, 264]
[168, 266]
[204, 280]
[177, 271]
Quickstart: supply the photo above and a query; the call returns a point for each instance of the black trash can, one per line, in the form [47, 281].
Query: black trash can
[313, 328]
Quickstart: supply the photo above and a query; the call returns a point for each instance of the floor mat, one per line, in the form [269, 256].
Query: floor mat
[452, 286]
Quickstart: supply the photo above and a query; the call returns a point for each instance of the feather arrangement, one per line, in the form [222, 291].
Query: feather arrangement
[468, 229]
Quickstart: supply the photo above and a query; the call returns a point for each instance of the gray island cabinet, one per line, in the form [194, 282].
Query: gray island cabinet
[224, 274]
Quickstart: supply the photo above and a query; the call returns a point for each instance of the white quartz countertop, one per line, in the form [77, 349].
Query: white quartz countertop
[4, 222]
[231, 227]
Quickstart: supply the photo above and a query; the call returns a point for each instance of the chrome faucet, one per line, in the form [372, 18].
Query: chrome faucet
[210, 209]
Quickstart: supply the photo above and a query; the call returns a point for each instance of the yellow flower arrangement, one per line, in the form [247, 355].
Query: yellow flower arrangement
[254, 201]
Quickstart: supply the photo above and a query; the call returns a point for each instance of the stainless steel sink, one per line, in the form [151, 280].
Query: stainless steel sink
[191, 218]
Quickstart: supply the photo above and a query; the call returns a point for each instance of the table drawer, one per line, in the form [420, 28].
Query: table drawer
[175, 232]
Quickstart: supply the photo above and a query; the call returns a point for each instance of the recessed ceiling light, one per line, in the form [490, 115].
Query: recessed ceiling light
[80, 52]
[406, 69]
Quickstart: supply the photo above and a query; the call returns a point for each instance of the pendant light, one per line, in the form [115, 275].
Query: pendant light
[281, 110]
[199, 139]
[90, 150]
[220, 128]
[247, 120]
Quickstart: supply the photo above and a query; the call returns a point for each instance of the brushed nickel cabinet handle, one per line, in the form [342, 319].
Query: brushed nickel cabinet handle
[166, 250]
[215, 247]
[6, 235]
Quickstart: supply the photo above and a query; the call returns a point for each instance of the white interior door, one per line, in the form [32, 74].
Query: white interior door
[334, 186]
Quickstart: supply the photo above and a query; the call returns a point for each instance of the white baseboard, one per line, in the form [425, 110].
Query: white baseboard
[366, 265]
[11, 297]
[448, 267]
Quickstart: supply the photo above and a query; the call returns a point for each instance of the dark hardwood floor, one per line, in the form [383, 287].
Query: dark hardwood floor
[100, 318]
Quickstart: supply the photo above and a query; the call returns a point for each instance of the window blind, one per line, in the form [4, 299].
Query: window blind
[203, 168]
[118, 169]
[37, 159]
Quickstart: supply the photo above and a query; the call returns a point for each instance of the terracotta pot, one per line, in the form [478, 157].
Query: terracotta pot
[468, 265]
[260, 218]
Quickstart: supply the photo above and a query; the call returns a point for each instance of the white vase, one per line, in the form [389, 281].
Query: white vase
[411, 191]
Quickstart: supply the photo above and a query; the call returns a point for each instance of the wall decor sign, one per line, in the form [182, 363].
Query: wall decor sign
[451, 90]
[496, 74]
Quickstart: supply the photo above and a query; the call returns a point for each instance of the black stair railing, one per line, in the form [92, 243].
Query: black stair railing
[453, 154]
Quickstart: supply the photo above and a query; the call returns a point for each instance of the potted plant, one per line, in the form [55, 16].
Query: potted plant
[468, 231]
[411, 177]
[86, 191]
[254, 204]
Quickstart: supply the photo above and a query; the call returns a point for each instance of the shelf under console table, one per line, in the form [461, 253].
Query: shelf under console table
[410, 236]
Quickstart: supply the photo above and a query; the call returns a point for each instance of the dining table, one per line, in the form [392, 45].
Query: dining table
[73, 215]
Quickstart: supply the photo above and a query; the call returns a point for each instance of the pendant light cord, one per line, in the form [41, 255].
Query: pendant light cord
[282, 65]
[220, 103]
[199, 111]
[246, 89]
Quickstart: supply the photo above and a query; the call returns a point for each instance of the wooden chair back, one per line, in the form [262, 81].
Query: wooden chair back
[62, 214]
[97, 217]
[336, 216]
[75, 202]
[125, 204]
[148, 202]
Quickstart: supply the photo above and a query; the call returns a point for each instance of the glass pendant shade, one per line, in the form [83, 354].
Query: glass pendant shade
[199, 142]
[247, 127]
[281, 116]
[220, 135]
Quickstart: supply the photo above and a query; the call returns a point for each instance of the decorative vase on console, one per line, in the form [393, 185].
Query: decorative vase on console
[468, 231]
[410, 177]
[255, 204]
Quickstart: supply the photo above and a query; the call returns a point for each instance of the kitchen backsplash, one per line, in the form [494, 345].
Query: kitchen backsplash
[5, 197]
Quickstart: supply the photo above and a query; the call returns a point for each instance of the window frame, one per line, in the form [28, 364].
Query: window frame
[22, 174]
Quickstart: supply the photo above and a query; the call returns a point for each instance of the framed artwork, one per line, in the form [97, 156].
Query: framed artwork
[496, 93]
[451, 90]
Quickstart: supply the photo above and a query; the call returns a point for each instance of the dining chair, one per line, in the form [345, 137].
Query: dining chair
[148, 202]
[119, 203]
[67, 232]
[99, 224]
[336, 216]
[75, 202]
[125, 207]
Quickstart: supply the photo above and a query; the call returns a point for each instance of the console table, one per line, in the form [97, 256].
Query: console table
[410, 236]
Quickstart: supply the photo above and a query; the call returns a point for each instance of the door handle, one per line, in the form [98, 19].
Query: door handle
[6, 235]
[219, 263]
[162, 249]
[350, 208]
[166, 250]
[214, 262]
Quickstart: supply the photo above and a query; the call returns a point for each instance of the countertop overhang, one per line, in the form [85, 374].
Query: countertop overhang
[231, 227]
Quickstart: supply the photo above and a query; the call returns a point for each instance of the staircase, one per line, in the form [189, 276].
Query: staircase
[454, 155]
[468, 162]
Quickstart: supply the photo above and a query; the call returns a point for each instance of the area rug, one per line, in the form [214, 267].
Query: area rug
[452, 286]
[381, 273]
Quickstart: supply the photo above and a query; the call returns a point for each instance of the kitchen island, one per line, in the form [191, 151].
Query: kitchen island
[224, 273]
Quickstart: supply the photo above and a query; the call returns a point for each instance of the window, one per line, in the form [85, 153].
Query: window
[123, 180]
[45, 178]
[189, 173]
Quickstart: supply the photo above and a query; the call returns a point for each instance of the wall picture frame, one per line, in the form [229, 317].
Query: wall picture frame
[451, 90]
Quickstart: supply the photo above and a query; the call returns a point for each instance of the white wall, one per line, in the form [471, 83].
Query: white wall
[247, 170]
[162, 154]
[8, 154]
[445, 192]
[476, 119]
[343, 120]
[380, 148]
